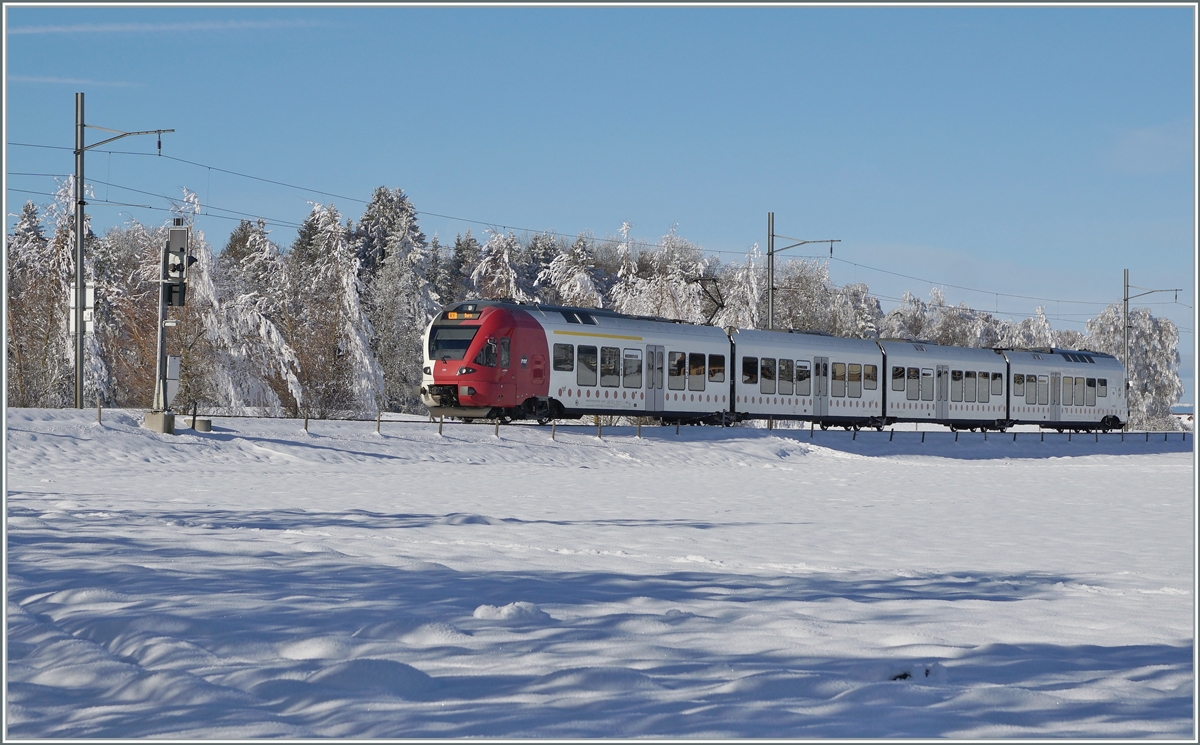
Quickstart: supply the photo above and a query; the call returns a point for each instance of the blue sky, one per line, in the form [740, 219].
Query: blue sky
[1027, 151]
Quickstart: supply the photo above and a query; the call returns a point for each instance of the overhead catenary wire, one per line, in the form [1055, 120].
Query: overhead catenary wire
[556, 234]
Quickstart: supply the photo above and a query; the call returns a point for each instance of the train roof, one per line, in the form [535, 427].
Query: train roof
[792, 337]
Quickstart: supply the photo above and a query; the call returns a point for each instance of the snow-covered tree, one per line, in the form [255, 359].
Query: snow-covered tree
[496, 276]
[39, 353]
[569, 276]
[740, 292]
[1153, 366]
[856, 313]
[463, 260]
[388, 214]
[1034, 331]
[324, 321]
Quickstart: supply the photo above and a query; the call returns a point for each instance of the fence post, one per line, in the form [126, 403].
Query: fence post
[306, 423]
[497, 432]
[985, 435]
[98, 416]
[676, 426]
[441, 421]
[955, 431]
[193, 415]
[378, 417]
[553, 427]
[599, 435]
[891, 434]
[854, 436]
[1014, 436]
[639, 429]
[923, 436]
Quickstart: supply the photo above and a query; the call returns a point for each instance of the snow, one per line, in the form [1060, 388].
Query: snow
[264, 581]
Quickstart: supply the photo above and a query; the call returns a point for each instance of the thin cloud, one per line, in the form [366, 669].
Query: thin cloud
[71, 81]
[138, 28]
[1152, 150]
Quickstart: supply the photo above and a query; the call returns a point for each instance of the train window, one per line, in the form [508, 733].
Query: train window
[1018, 385]
[838, 387]
[1090, 397]
[716, 368]
[766, 382]
[956, 378]
[1079, 394]
[676, 371]
[570, 317]
[854, 380]
[914, 384]
[695, 372]
[1031, 389]
[997, 384]
[750, 370]
[870, 377]
[450, 342]
[487, 354]
[1043, 390]
[564, 357]
[969, 386]
[610, 367]
[786, 384]
[803, 378]
[984, 388]
[926, 384]
[897, 378]
[505, 346]
[585, 374]
[632, 368]
[1103, 385]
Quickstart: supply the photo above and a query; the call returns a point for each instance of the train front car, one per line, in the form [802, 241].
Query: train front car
[1067, 389]
[485, 359]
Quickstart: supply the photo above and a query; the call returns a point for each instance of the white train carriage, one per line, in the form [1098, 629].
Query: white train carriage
[1067, 389]
[963, 388]
[792, 375]
[606, 363]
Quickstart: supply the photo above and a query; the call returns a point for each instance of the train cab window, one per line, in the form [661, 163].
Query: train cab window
[871, 377]
[956, 385]
[750, 370]
[1102, 383]
[837, 386]
[564, 357]
[854, 380]
[997, 384]
[969, 386]
[676, 371]
[766, 380]
[1079, 394]
[632, 368]
[585, 374]
[716, 368]
[1031, 389]
[926, 384]
[695, 372]
[1090, 390]
[786, 379]
[505, 346]
[610, 367]
[1018, 385]
[450, 342]
[984, 388]
[1043, 390]
[914, 384]
[487, 354]
[803, 378]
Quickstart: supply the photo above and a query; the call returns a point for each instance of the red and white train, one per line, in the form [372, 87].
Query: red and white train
[507, 360]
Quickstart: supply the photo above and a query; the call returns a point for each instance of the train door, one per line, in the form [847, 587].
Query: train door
[654, 377]
[942, 395]
[820, 376]
[1055, 399]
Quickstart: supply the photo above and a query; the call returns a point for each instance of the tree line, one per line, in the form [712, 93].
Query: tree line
[331, 326]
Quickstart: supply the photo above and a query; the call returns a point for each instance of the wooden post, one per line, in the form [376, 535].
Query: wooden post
[598, 433]
[378, 417]
[441, 421]
[891, 434]
[553, 427]
[923, 436]
[497, 432]
[193, 415]
[676, 426]
[98, 416]
[639, 429]
[306, 422]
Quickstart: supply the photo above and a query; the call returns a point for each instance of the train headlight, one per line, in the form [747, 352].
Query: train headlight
[466, 390]
[465, 370]
[427, 370]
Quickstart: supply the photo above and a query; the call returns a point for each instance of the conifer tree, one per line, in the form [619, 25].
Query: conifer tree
[496, 277]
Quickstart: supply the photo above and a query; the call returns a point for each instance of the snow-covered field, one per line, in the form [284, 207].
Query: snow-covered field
[261, 581]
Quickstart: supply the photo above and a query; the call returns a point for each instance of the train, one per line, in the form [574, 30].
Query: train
[508, 360]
